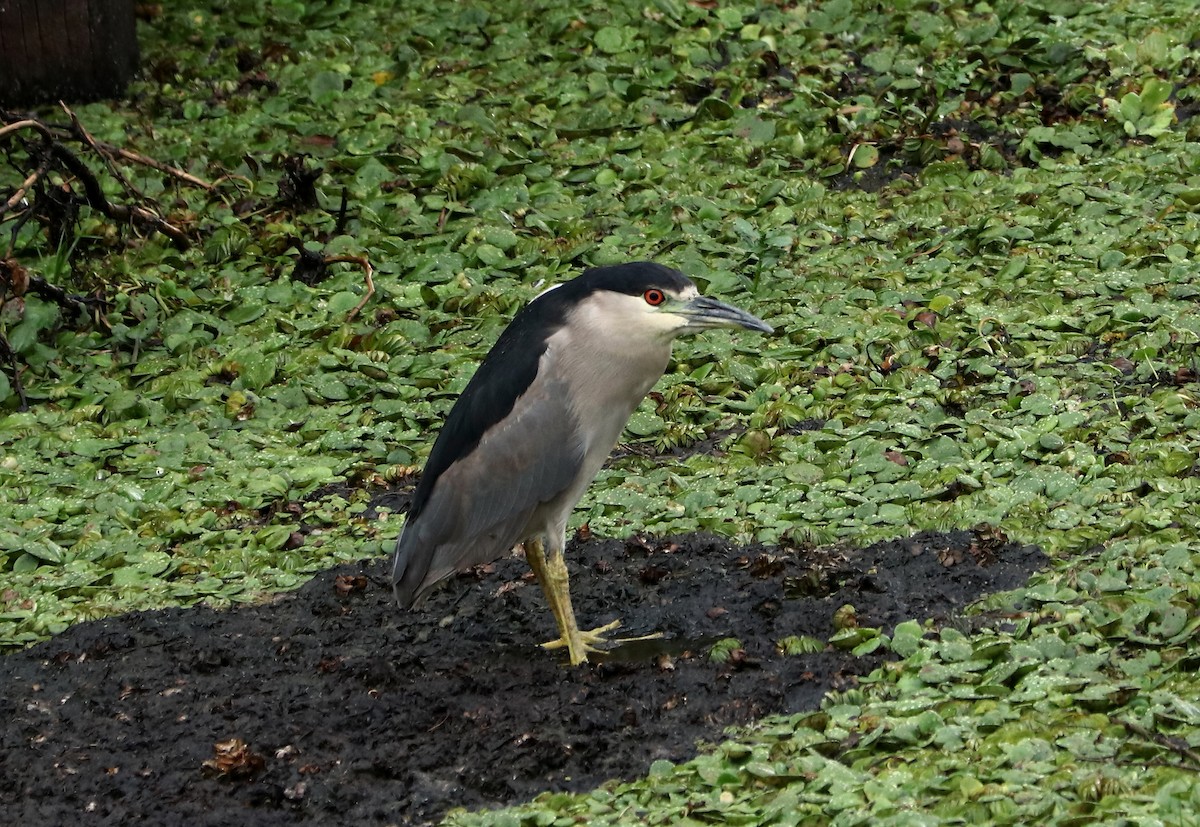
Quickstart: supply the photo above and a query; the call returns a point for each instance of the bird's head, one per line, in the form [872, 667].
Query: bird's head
[643, 298]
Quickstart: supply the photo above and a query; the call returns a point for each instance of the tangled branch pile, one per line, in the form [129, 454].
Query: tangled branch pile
[56, 176]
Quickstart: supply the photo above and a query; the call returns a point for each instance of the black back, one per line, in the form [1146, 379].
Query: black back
[511, 365]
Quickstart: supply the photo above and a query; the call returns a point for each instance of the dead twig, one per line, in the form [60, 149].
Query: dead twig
[85, 137]
[80, 304]
[340, 225]
[28, 123]
[7, 354]
[33, 178]
[368, 273]
[130, 155]
[54, 153]
[94, 195]
[1175, 745]
[41, 169]
[16, 229]
[108, 152]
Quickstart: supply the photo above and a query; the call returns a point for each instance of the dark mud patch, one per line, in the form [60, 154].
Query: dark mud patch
[351, 712]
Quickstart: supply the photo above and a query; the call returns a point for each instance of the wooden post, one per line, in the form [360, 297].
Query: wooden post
[74, 50]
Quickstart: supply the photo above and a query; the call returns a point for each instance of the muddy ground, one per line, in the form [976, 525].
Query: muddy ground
[335, 708]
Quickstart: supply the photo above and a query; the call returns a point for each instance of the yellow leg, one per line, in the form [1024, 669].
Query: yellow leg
[551, 572]
[535, 554]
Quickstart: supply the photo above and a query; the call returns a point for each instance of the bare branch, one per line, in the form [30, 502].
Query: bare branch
[368, 273]
[94, 196]
[54, 293]
[1175, 745]
[85, 137]
[129, 155]
[8, 355]
[26, 124]
[24, 188]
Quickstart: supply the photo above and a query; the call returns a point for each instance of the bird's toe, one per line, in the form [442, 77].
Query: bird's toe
[583, 641]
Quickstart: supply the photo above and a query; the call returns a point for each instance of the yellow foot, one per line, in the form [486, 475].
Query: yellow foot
[588, 641]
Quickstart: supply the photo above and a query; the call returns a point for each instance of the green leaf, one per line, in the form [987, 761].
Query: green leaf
[1020, 82]
[644, 423]
[611, 40]
[865, 156]
[25, 564]
[906, 638]
[721, 651]
[330, 387]
[1155, 93]
[715, 109]
[256, 370]
[245, 312]
[273, 537]
[489, 255]
[373, 174]
[795, 645]
[342, 302]
[326, 86]
[1130, 107]
[38, 316]
[44, 550]
[754, 129]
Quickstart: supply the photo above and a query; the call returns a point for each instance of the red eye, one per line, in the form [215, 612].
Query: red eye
[654, 297]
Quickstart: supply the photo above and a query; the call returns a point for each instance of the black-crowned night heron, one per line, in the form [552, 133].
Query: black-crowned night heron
[537, 421]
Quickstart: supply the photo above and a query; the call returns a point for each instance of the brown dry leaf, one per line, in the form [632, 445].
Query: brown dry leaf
[1122, 364]
[234, 759]
[319, 140]
[738, 659]
[636, 543]
[988, 540]
[927, 318]
[509, 586]
[767, 565]
[949, 557]
[17, 276]
[348, 584]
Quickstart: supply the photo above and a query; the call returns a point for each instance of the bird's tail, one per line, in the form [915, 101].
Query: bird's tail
[406, 579]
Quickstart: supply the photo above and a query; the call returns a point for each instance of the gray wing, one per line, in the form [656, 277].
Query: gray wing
[481, 505]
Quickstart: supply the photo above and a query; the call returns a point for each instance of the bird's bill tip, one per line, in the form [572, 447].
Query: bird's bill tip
[703, 312]
[755, 323]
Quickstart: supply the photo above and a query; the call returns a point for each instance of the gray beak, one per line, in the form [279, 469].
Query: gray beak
[704, 313]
